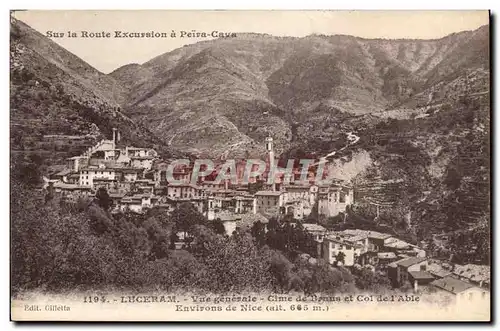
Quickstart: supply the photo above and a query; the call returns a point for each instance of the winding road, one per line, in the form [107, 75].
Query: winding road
[351, 140]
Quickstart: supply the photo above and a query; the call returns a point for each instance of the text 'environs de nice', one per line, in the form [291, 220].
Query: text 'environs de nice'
[139, 34]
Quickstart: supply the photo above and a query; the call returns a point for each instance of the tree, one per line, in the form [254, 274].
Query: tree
[180, 270]
[103, 199]
[62, 254]
[281, 269]
[50, 194]
[325, 279]
[340, 258]
[368, 280]
[161, 215]
[186, 216]
[233, 264]
[313, 217]
[259, 233]
[273, 224]
[302, 241]
[218, 227]
[159, 237]
[26, 169]
[173, 239]
[255, 187]
[203, 240]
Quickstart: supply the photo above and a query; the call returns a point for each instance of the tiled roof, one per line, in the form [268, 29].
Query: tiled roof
[421, 275]
[247, 220]
[378, 235]
[313, 227]
[147, 157]
[243, 197]
[63, 172]
[227, 216]
[368, 233]
[301, 187]
[437, 269]
[335, 239]
[397, 244]
[441, 273]
[183, 185]
[357, 237]
[408, 262]
[66, 186]
[268, 193]
[386, 255]
[131, 148]
[452, 285]
[341, 241]
[473, 272]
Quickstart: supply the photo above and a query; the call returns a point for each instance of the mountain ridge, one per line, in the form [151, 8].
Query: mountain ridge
[54, 94]
[356, 75]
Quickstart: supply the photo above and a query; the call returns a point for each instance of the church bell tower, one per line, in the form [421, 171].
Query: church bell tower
[270, 152]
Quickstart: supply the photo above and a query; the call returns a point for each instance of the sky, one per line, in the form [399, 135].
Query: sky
[108, 54]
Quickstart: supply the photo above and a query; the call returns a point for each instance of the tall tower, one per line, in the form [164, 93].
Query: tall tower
[270, 151]
[114, 138]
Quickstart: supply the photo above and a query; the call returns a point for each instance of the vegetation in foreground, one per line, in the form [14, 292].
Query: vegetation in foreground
[58, 247]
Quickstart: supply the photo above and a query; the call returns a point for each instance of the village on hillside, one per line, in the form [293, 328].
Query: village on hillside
[135, 180]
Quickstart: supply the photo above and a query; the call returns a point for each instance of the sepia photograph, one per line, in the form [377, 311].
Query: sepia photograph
[232, 165]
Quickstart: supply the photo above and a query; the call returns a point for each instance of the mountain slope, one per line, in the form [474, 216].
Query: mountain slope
[420, 108]
[103, 86]
[230, 83]
[59, 104]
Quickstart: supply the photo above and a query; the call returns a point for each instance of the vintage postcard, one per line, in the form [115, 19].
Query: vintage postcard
[250, 165]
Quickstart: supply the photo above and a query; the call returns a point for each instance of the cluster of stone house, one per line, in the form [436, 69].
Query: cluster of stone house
[433, 276]
[402, 262]
[365, 247]
[136, 180]
[299, 200]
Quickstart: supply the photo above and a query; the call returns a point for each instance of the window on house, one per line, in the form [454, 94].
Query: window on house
[342, 197]
[423, 267]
